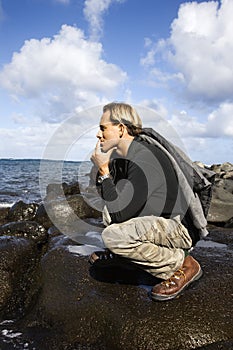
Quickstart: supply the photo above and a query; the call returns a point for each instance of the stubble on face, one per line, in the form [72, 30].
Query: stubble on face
[109, 133]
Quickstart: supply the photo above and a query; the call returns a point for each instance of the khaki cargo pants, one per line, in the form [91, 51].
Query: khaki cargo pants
[155, 243]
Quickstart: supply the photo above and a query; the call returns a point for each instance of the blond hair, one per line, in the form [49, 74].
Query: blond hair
[123, 113]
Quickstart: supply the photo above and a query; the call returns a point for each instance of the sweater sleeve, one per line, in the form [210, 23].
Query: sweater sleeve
[127, 198]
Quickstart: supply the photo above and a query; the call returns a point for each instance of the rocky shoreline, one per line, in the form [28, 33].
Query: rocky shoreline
[50, 297]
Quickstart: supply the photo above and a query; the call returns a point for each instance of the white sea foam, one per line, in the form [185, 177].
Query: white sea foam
[10, 334]
[6, 322]
[6, 205]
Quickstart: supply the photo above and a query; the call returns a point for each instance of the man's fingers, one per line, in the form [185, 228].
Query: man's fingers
[97, 147]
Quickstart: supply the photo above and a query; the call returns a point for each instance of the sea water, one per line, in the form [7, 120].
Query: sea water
[20, 178]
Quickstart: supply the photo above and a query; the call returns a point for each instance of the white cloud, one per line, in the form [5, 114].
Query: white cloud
[25, 141]
[154, 50]
[72, 139]
[155, 105]
[94, 11]
[208, 141]
[200, 48]
[220, 121]
[202, 44]
[64, 74]
[187, 125]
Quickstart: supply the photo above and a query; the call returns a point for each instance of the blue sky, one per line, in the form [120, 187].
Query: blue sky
[61, 60]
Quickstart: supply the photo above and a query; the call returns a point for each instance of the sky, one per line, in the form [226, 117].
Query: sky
[62, 60]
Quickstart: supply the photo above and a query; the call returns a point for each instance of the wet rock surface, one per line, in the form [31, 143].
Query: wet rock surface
[51, 298]
[64, 212]
[108, 307]
[19, 276]
[21, 211]
[3, 215]
[25, 229]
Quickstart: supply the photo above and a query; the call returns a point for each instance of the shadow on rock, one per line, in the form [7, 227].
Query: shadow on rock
[119, 270]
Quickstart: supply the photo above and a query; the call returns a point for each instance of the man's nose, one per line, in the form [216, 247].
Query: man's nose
[99, 134]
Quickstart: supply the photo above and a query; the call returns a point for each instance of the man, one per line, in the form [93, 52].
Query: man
[145, 213]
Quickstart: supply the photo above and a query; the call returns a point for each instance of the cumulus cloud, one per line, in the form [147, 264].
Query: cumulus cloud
[187, 125]
[218, 124]
[203, 43]
[210, 140]
[155, 105]
[65, 73]
[68, 140]
[94, 11]
[153, 51]
[200, 47]
[26, 140]
[220, 121]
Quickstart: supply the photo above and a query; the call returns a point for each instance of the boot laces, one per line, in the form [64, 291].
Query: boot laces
[176, 276]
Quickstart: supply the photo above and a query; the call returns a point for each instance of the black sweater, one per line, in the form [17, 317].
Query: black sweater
[143, 183]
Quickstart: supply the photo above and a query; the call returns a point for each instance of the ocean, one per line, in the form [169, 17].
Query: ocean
[26, 179]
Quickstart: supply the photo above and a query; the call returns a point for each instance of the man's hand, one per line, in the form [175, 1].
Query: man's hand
[101, 159]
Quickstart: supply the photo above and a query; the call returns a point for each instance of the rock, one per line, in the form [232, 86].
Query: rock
[66, 214]
[221, 208]
[229, 223]
[21, 211]
[228, 175]
[220, 212]
[26, 229]
[19, 276]
[109, 307]
[222, 168]
[227, 167]
[4, 211]
[55, 190]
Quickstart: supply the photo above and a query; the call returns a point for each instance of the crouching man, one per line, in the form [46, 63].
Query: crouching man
[144, 212]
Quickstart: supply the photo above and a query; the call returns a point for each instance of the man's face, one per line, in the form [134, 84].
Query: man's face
[109, 133]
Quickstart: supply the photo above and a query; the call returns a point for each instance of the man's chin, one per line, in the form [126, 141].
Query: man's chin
[104, 149]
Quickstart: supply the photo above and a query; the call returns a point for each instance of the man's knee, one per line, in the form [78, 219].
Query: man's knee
[107, 237]
[112, 237]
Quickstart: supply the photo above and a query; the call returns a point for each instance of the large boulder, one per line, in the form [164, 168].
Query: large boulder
[21, 247]
[66, 213]
[55, 190]
[25, 229]
[108, 307]
[222, 169]
[19, 276]
[21, 211]
[221, 209]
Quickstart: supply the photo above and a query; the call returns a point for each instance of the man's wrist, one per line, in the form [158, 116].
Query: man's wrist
[101, 178]
[104, 170]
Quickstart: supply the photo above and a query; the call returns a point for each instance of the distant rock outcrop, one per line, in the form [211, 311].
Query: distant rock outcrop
[221, 209]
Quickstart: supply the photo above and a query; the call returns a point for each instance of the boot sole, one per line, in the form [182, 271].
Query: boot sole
[160, 297]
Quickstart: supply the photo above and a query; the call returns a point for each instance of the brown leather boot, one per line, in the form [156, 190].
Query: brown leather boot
[181, 279]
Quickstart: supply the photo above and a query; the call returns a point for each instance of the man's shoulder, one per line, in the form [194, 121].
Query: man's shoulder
[143, 148]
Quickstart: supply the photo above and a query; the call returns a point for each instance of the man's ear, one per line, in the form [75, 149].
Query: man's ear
[121, 129]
